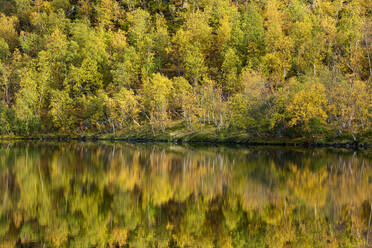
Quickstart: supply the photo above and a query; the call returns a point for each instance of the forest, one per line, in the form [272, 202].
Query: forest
[265, 68]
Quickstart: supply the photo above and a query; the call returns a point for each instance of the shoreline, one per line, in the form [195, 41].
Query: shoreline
[176, 133]
[249, 142]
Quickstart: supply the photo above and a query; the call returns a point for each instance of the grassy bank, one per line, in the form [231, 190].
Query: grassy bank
[177, 133]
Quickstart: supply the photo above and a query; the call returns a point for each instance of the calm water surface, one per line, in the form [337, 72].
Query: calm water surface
[157, 195]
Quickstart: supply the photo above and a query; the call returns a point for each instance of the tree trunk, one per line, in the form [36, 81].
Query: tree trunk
[369, 58]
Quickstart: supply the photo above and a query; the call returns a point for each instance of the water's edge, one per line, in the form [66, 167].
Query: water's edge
[346, 145]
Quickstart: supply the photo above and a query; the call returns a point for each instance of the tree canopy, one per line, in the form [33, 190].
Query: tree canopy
[274, 68]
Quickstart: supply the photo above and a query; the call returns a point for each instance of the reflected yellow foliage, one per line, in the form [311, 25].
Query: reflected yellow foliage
[126, 195]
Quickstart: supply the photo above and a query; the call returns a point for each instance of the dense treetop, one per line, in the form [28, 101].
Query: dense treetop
[269, 67]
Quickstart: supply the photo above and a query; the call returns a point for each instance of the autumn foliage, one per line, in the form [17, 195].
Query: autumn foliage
[273, 68]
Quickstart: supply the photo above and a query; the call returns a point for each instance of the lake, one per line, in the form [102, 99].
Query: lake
[116, 194]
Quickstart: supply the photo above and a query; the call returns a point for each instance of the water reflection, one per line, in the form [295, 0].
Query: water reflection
[119, 194]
